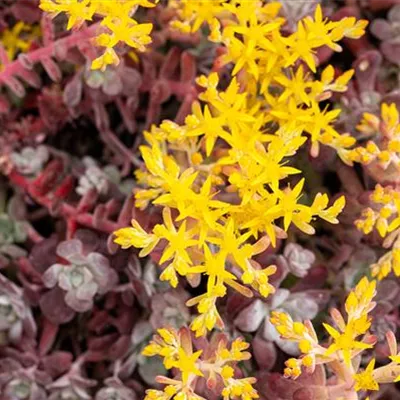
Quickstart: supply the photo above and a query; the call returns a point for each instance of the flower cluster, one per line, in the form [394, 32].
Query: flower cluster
[385, 148]
[19, 38]
[381, 154]
[116, 19]
[248, 141]
[349, 339]
[385, 218]
[222, 176]
[216, 364]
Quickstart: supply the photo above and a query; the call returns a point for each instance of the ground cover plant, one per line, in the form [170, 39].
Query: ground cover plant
[199, 199]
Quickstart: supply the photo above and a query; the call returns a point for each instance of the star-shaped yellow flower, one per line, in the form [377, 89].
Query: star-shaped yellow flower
[365, 380]
[186, 363]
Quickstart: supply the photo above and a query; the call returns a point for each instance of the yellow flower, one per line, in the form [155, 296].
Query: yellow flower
[385, 217]
[116, 17]
[18, 38]
[298, 86]
[387, 129]
[232, 242]
[223, 170]
[359, 301]
[349, 27]
[329, 214]
[214, 267]
[337, 85]
[254, 38]
[186, 363]
[227, 372]
[293, 368]
[166, 344]
[177, 350]
[209, 316]
[136, 236]
[303, 333]
[77, 11]
[240, 388]
[125, 30]
[193, 14]
[200, 123]
[210, 83]
[369, 124]
[153, 394]
[395, 359]
[301, 47]
[109, 57]
[178, 241]
[345, 342]
[321, 122]
[365, 380]
[387, 263]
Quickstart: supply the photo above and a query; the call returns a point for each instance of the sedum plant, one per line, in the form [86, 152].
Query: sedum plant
[384, 217]
[81, 277]
[224, 177]
[216, 364]
[228, 193]
[116, 19]
[380, 156]
[19, 38]
[349, 338]
[382, 153]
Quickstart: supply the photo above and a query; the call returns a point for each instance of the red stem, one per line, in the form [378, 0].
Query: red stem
[68, 212]
[181, 89]
[112, 140]
[13, 68]
[33, 234]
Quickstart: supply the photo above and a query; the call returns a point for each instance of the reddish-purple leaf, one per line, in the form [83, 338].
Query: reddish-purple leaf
[170, 63]
[149, 74]
[54, 308]
[48, 336]
[250, 318]
[99, 214]
[4, 105]
[26, 10]
[188, 67]
[185, 108]
[120, 347]
[15, 86]
[52, 69]
[101, 118]
[25, 61]
[265, 353]
[131, 80]
[47, 26]
[60, 50]
[30, 77]
[127, 113]
[72, 95]
[112, 84]
[57, 363]
[366, 70]
[87, 50]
